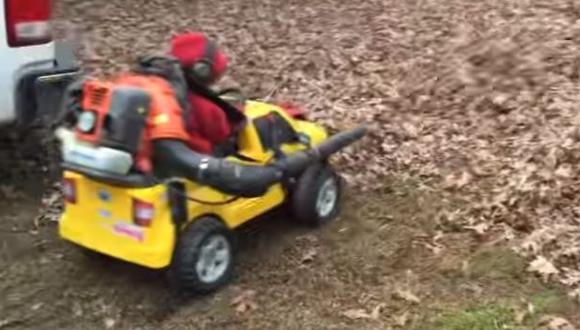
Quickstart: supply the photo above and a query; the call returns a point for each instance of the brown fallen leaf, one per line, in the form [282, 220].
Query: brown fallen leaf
[435, 248]
[434, 245]
[356, 314]
[411, 130]
[550, 322]
[454, 181]
[543, 267]
[480, 228]
[575, 294]
[246, 306]
[109, 323]
[520, 315]
[309, 256]
[376, 313]
[7, 323]
[564, 171]
[406, 295]
[401, 320]
[244, 302]
[36, 306]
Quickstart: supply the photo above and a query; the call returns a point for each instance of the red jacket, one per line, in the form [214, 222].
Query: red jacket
[208, 125]
[207, 122]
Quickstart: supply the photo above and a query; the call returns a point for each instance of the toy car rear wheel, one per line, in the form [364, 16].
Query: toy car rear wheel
[316, 197]
[204, 257]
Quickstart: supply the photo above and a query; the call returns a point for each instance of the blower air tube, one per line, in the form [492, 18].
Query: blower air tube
[175, 159]
[299, 161]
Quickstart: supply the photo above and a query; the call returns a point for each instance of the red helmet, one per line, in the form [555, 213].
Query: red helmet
[199, 56]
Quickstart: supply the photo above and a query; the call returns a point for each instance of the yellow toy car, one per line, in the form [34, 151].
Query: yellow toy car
[187, 227]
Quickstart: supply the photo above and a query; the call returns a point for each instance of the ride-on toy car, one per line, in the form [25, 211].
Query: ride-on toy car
[187, 227]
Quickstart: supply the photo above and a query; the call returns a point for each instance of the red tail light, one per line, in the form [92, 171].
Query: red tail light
[69, 190]
[143, 213]
[28, 22]
[293, 110]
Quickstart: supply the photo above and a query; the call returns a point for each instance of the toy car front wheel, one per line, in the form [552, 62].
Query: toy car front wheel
[203, 259]
[316, 197]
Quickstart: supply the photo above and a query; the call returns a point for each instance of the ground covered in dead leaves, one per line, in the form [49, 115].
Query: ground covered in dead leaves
[470, 176]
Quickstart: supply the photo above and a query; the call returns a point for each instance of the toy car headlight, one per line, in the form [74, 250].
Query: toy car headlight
[87, 121]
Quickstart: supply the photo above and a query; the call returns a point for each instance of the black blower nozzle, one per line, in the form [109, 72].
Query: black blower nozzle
[298, 161]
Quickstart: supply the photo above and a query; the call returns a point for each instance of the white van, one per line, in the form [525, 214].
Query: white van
[34, 69]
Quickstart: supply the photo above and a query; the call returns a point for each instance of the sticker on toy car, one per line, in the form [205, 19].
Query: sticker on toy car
[105, 214]
[129, 230]
[104, 195]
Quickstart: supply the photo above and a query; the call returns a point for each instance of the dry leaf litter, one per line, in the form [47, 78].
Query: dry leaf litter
[479, 99]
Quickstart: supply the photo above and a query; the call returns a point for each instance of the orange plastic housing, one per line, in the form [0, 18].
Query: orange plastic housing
[96, 98]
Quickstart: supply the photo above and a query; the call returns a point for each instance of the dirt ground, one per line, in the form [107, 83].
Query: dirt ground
[440, 196]
[377, 267]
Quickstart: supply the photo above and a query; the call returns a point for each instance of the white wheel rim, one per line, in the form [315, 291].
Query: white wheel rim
[327, 197]
[214, 259]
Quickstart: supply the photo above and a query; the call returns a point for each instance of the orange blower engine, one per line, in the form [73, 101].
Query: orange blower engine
[109, 135]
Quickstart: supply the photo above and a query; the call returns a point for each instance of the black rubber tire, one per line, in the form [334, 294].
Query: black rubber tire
[182, 273]
[305, 193]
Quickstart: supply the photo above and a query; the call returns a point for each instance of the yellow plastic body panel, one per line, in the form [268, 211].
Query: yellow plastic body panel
[236, 212]
[101, 218]
[249, 141]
